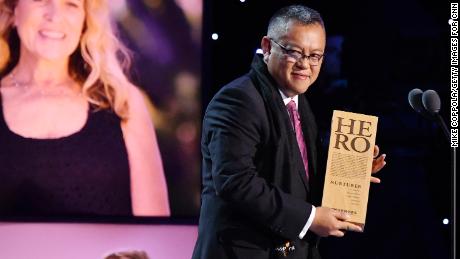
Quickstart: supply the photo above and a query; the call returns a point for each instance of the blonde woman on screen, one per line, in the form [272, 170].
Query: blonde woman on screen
[75, 135]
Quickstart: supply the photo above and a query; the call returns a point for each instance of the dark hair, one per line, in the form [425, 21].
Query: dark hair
[298, 13]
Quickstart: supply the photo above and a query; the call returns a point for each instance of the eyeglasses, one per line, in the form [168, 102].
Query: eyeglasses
[313, 59]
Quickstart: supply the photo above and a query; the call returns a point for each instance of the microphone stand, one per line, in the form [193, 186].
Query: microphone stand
[453, 181]
[432, 112]
[443, 126]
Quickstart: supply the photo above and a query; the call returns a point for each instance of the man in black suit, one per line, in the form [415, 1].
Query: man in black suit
[261, 180]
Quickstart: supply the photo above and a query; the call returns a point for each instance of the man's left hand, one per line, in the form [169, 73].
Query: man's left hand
[377, 164]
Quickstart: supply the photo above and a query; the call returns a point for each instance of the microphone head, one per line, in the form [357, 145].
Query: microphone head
[415, 100]
[431, 101]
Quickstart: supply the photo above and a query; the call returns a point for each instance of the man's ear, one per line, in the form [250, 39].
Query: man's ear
[266, 47]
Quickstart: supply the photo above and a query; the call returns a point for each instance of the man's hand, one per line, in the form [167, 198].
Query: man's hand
[328, 222]
[377, 164]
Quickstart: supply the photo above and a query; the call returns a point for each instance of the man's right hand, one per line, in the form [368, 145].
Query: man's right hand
[328, 222]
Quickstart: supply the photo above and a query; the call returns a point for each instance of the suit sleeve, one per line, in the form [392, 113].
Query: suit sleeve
[234, 129]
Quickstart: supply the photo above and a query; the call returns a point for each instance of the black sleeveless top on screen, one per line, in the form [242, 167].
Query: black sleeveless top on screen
[84, 174]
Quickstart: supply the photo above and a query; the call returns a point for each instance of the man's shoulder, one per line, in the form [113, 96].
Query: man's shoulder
[243, 83]
[240, 96]
[242, 87]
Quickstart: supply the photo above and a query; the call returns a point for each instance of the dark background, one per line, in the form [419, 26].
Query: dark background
[377, 52]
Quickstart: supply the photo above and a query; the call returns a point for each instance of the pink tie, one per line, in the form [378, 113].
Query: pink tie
[295, 119]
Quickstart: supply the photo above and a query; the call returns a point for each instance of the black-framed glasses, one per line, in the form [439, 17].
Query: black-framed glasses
[313, 59]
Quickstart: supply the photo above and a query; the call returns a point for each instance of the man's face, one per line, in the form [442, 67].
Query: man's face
[294, 77]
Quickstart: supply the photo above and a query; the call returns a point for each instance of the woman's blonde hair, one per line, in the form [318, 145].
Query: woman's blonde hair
[99, 63]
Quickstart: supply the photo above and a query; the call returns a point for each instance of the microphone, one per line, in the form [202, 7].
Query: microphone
[428, 104]
[415, 101]
[432, 103]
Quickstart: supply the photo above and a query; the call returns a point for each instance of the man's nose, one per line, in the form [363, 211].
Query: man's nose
[304, 63]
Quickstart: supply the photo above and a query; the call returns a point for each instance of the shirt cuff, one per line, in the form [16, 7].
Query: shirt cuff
[309, 221]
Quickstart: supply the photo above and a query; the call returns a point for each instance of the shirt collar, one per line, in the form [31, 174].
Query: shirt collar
[286, 99]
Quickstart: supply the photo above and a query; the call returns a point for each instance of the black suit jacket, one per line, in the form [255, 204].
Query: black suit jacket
[255, 196]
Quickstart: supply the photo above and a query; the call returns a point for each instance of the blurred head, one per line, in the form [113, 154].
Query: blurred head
[79, 29]
[294, 48]
[128, 255]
